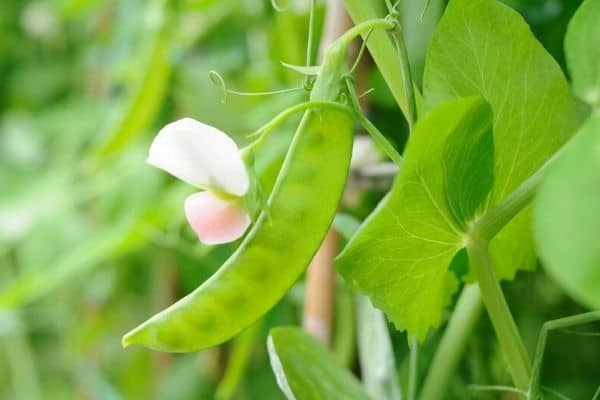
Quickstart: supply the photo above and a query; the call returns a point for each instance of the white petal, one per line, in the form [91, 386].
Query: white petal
[200, 155]
[215, 220]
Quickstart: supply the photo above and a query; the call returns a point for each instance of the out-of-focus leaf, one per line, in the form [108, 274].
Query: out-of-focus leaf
[567, 217]
[582, 47]
[238, 362]
[149, 92]
[346, 225]
[305, 370]
[36, 284]
[377, 365]
[419, 31]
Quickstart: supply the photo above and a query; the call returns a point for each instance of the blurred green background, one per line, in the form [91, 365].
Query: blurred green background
[93, 240]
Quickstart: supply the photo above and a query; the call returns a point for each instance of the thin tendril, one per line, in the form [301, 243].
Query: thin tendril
[389, 6]
[275, 4]
[361, 51]
[309, 80]
[497, 388]
[366, 93]
[218, 80]
[556, 393]
[580, 333]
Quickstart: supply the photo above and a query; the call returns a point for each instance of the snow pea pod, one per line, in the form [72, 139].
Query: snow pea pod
[279, 246]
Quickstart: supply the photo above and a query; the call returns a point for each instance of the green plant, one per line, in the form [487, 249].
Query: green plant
[491, 135]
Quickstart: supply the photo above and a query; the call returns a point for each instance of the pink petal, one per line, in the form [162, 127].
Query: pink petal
[215, 220]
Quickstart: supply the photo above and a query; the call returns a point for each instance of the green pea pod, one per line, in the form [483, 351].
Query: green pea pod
[279, 247]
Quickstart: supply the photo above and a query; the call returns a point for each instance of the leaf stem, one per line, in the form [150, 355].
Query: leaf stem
[411, 111]
[363, 28]
[497, 308]
[381, 46]
[494, 220]
[375, 133]
[451, 347]
[413, 372]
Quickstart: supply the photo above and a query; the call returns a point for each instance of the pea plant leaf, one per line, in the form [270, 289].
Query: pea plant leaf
[306, 370]
[582, 48]
[482, 47]
[400, 256]
[567, 217]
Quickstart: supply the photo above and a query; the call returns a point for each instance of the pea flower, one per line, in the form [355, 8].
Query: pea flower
[208, 159]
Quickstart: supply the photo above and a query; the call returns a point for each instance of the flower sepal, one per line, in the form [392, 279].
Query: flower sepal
[255, 200]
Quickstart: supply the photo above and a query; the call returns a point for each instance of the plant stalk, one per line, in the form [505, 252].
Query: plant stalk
[413, 373]
[411, 112]
[381, 47]
[506, 329]
[494, 220]
[451, 347]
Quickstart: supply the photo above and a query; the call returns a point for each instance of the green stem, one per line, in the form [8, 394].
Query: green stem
[411, 112]
[413, 372]
[364, 28]
[310, 40]
[506, 329]
[241, 351]
[381, 47]
[375, 133]
[494, 220]
[451, 347]
[561, 323]
[263, 131]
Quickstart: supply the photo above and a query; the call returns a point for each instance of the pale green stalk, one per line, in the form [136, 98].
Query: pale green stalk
[451, 347]
[382, 49]
[499, 313]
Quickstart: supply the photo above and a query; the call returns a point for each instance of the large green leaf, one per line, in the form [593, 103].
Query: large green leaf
[567, 217]
[400, 257]
[482, 47]
[305, 370]
[582, 48]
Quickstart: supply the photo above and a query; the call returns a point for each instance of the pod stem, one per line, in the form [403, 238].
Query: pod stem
[364, 28]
